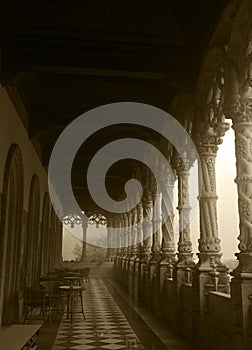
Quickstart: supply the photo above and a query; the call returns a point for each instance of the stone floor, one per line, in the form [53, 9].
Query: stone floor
[112, 322]
[105, 326]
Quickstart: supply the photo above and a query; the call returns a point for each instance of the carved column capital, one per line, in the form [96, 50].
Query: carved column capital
[208, 143]
[239, 109]
[181, 165]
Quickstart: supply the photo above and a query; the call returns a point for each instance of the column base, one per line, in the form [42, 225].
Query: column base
[203, 282]
[166, 264]
[131, 274]
[241, 296]
[137, 280]
[181, 275]
[166, 267]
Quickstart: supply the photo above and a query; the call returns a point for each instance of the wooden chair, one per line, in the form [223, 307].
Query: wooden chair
[35, 300]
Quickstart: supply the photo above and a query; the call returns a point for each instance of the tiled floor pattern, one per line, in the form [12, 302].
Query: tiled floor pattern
[105, 326]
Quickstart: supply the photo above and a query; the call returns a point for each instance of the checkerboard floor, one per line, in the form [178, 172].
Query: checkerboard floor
[105, 326]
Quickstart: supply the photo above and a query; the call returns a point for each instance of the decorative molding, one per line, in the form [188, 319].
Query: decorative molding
[72, 219]
[97, 219]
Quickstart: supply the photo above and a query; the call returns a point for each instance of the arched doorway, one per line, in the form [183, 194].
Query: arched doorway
[10, 235]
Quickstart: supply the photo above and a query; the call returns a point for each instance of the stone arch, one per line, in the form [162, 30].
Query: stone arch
[238, 47]
[10, 235]
[210, 88]
[238, 107]
[45, 232]
[33, 233]
[182, 108]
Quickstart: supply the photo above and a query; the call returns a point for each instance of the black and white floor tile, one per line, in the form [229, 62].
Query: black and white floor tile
[105, 326]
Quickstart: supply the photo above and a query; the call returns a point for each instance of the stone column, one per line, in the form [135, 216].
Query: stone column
[147, 243]
[109, 239]
[117, 226]
[147, 226]
[133, 252]
[134, 247]
[84, 239]
[168, 244]
[139, 228]
[139, 246]
[209, 242]
[118, 235]
[184, 245]
[127, 251]
[123, 223]
[129, 233]
[241, 284]
[157, 225]
[154, 274]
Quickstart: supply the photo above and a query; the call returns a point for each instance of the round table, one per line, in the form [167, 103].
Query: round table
[71, 293]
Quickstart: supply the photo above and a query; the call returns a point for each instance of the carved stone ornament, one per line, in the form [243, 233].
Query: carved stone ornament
[209, 245]
[72, 219]
[241, 110]
[97, 219]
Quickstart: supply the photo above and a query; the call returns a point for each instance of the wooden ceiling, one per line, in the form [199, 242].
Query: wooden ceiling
[60, 58]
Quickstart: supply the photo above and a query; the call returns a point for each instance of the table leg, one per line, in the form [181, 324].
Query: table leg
[72, 304]
[68, 301]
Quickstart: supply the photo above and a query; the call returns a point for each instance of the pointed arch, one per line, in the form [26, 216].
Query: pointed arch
[10, 235]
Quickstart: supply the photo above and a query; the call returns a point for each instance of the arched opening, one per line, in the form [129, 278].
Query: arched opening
[10, 236]
[97, 238]
[227, 197]
[33, 236]
[72, 243]
[89, 241]
[45, 235]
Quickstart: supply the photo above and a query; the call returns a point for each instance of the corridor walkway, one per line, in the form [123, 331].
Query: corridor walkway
[105, 326]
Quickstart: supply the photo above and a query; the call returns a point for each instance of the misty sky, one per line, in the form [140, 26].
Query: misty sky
[227, 206]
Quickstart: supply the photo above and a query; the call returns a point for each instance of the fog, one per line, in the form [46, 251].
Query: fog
[227, 207]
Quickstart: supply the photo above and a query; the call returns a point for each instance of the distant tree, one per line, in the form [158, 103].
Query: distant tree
[77, 252]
